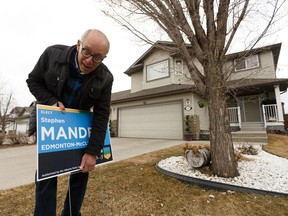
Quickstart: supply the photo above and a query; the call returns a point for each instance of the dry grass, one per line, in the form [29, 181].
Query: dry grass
[278, 145]
[134, 187]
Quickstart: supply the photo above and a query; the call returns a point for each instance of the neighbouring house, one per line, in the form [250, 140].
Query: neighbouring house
[19, 120]
[162, 95]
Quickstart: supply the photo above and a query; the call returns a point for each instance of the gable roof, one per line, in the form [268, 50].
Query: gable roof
[240, 87]
[16, 110]
[138, 64]
[124, 96]
[19, 113]
[248, 86]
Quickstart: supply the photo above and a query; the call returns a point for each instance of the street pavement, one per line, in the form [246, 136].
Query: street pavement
[18, 165]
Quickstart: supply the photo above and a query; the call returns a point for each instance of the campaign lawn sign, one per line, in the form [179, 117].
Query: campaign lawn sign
[61, 140]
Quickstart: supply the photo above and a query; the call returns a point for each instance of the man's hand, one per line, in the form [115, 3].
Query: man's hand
[60, 105]
[88, 163]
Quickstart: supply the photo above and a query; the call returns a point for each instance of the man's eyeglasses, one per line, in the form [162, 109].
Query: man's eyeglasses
[86, 53]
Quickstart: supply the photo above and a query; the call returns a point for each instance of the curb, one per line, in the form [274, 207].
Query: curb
[217, 185]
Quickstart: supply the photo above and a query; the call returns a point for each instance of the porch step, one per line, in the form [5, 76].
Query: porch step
[252, 126]
[250, 137]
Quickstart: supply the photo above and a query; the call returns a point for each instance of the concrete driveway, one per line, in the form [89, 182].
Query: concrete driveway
[18, 165]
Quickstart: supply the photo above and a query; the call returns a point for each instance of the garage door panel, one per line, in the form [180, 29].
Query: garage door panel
[158, 121]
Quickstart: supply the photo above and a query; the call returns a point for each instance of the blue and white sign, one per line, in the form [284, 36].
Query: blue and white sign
[61, 140]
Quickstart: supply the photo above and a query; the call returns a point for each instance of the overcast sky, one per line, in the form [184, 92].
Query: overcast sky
[28, 27]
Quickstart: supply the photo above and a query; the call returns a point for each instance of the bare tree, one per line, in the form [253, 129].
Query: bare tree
[201, 29]
[6, 100]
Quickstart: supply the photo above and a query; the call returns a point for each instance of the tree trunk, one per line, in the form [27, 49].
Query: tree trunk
[2, 136]
[222, 151]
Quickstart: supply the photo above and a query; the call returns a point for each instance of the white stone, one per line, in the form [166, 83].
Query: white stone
[264, 171]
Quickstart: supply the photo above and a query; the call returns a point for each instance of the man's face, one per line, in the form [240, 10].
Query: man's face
[90, 54]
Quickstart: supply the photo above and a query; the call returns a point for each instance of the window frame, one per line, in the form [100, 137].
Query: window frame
[181, 70]
[246, 61]
[165, 67]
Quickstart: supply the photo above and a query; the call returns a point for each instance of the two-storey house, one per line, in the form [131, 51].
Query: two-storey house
[19, 119]
[162, 94]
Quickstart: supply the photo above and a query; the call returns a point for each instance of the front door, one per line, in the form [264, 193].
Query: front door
[250, 109]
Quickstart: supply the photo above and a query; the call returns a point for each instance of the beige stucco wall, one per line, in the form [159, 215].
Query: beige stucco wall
[265, 71]
[202, 113]
[139, 80]
[152, 59]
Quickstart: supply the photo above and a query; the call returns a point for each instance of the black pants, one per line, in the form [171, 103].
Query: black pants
[46, 193]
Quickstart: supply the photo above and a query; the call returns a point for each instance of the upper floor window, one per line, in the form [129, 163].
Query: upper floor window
[178, 67]
[158, 70]
[247, 63]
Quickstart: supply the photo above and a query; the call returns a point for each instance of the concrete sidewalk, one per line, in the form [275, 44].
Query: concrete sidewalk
[18, 165]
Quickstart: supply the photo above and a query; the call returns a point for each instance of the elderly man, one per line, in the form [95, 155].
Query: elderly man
[73, 77]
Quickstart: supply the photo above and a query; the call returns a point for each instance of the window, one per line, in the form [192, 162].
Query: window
[247, 63]
[158, 70]
[178, 67]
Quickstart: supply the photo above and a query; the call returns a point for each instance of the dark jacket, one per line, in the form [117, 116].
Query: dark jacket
[46, 83]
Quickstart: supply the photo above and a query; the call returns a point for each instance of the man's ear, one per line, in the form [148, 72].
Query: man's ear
[78, 45]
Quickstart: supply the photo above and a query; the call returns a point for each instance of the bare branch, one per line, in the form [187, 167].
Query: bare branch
[236, 25]
[201, 32]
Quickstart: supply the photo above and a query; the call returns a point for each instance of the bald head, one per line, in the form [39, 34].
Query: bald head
[92, 48]
[98, 38]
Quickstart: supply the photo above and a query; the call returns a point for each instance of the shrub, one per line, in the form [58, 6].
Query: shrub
[21, 138]
[247, 149]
